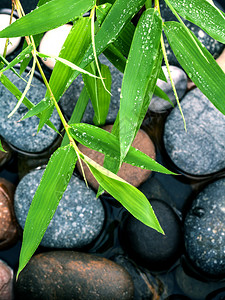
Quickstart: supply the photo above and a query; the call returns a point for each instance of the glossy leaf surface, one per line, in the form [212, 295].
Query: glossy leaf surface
[130, 197]
[46, 199]
[46, 17]
[198, 63]
[203, 14]
[139, 77]
[1, 147]
[101, 140]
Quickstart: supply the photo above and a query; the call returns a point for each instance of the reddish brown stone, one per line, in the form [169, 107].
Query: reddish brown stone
[73, 275]
[6, 282]
[131, 174]
[9, 228]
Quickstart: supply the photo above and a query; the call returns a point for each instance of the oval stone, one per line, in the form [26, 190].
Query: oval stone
[6, 282]
[204, 230]
[78, 219]
[23, 135]
[200, 150]
[75, 276]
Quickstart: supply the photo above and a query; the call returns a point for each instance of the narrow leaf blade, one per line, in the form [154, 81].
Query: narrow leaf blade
[1, 147]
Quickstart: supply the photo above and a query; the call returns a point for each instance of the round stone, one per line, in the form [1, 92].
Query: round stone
[213, 46]
[204, 230]
[6, 281]
[149, 248]
[52, 43]
[158, 104]
[200, 150]
[75, 276]
[216, 295]
[70, 97]
[129, 173]
[78, 219]
[13, 42]
[23, 134]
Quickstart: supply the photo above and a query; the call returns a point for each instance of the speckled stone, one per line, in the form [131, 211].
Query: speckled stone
[132, 174]
[157, 104]
[78, 219]
[63, 275]
[204, 230]
[150, 248]
[69, 99]
[9, 228]
[6, 282]
[23, 135]
[213, 46]
[200, 150]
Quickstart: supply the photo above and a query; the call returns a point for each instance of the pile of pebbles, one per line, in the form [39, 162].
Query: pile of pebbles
[93, 248]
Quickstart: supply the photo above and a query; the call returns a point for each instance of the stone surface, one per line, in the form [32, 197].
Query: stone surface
[149, 248]
[217, 295]
[70, 97]
[157, 104]
[23, 135]
[204, 230]
[13, 42]
[6, 282]
[200, 150]
[52, 43]
[177, 297]
[72, 275]
[213, 46]
[9, 228]
[78, 219]
[131, 174]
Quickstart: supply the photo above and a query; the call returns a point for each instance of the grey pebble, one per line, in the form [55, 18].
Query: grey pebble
[204, 230]
[23, 135]
[200, 150]
[158, 104]
[70, 97]
[78, 219]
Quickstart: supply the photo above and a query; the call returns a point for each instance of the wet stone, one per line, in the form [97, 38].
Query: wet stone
[213, 46]
[6, 282]
[70, 97]
[132, 174]
[75, 276]
[9, 228]
[217, 295]
[78, 219]
[23, 135]
[150, 248]
[200, 150]
[204, 230]
[158, 104]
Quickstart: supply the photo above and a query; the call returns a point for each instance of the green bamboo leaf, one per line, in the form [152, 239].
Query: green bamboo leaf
[201, 67]
[204, 14]
[100, 98]
[116, 57]
[61, 12]
[140, 77]
[160, 93]
[102, 141]
[5, 62]
[162, 76]
[78, 112]
[130, 197]
[26, 52]
[1, 147]
[17, 93]
[73, 50]
[37, 109]
[46, 199]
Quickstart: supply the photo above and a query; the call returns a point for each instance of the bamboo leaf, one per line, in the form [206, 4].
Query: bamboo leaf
[17, 93]
[100, 98]
[46, 199]
[140, 77]
[115, 57]
[201, 67]
[130, 197]
[101, 140]
[78, 112]
[204, 14]
[46, 17]
[37, 109]
[73, 50]
[160, 93]
[5, 62]
[1, 147]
